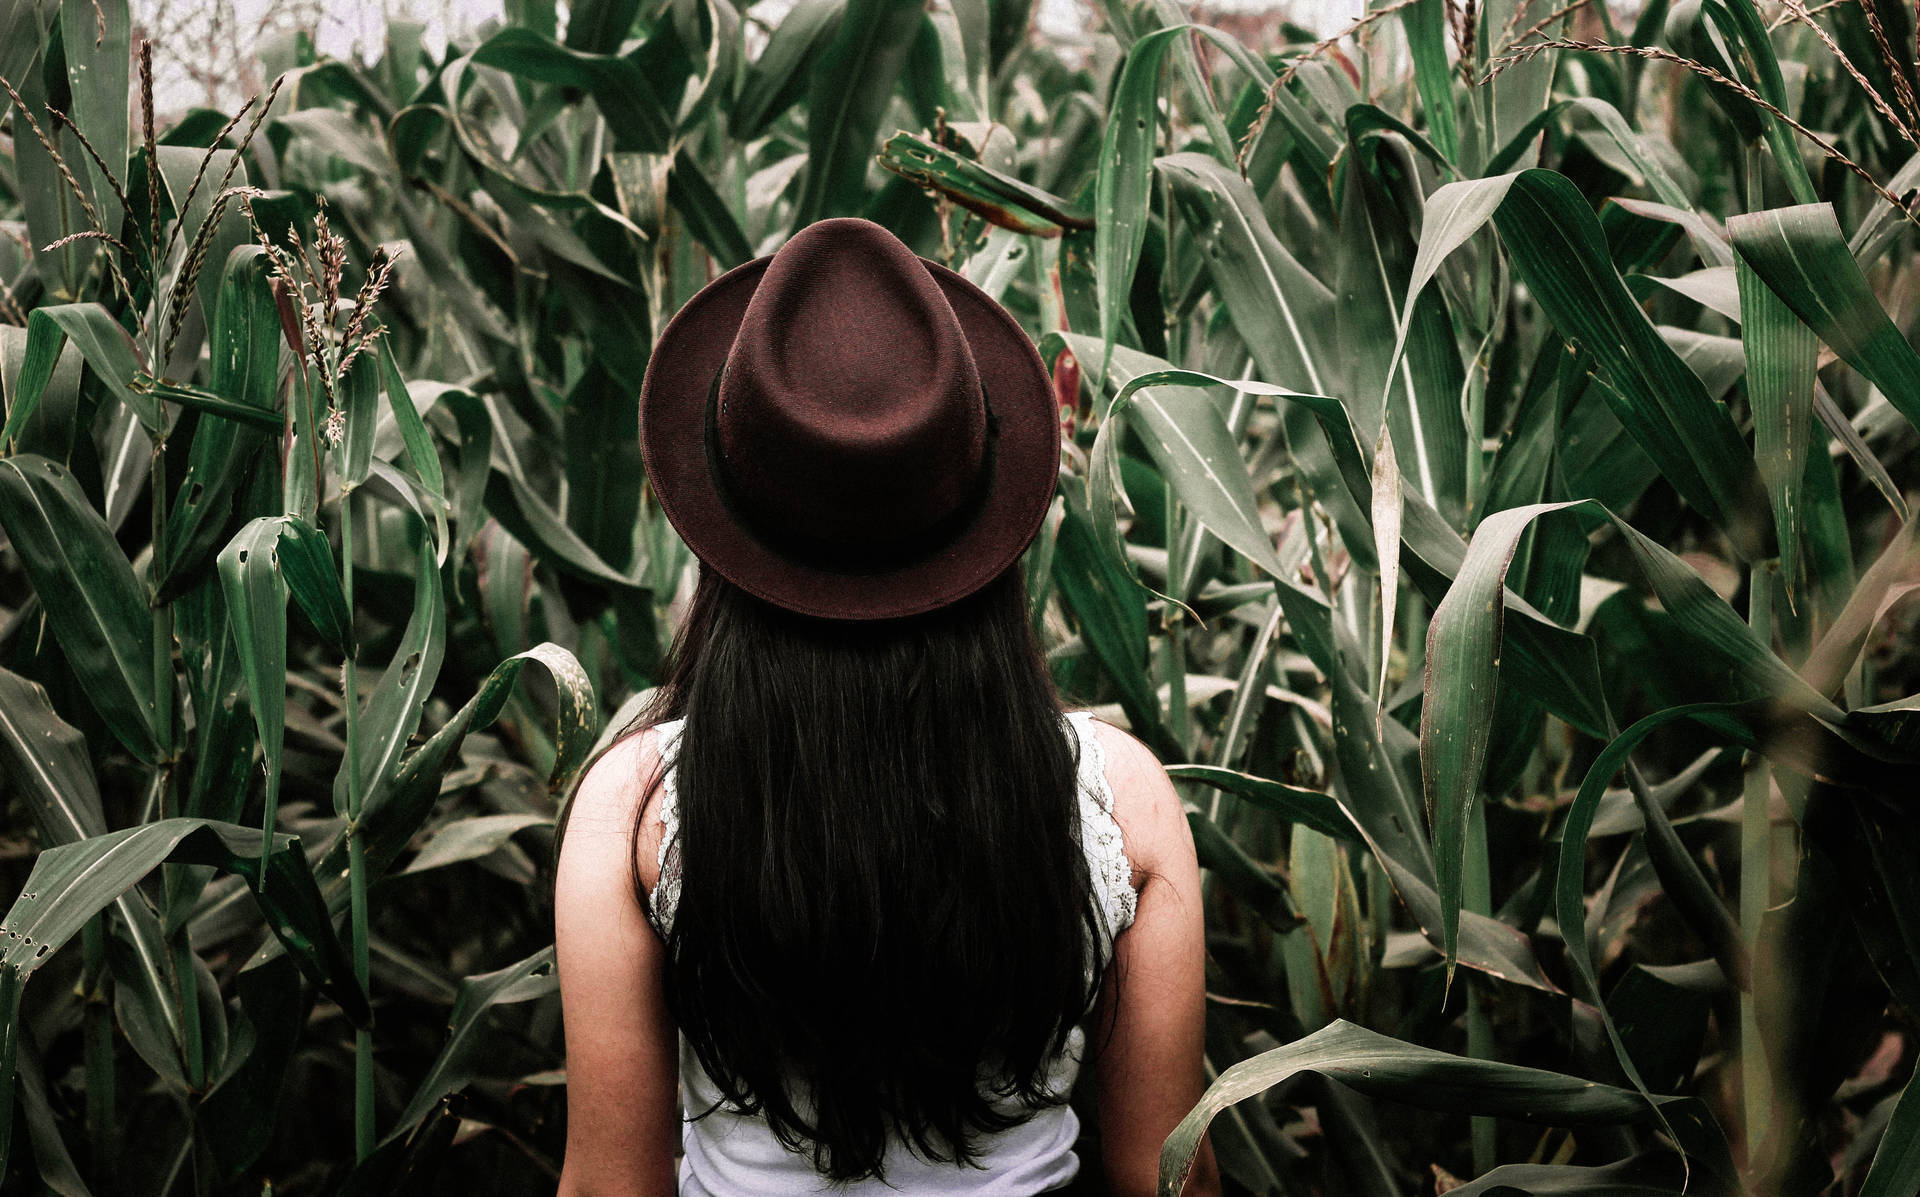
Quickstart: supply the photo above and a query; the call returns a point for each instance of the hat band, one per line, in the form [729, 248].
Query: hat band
[869, 557]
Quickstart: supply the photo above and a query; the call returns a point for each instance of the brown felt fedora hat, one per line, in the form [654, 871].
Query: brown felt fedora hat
[849, 430]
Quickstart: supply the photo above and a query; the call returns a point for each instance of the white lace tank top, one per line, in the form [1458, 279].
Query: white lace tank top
[728, 1154]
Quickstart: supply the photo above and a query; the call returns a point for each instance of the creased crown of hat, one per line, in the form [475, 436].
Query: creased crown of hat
[849, 430]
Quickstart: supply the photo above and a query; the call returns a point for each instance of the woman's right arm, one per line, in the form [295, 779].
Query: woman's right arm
[1150, 1073]
[623, 1114]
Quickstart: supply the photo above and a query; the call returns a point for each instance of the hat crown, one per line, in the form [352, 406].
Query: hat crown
[848, 419]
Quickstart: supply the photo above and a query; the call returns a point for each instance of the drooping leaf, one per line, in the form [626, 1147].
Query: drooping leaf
[635, 116]
[1802, 257]
[996, 197]
[395, 812]
[521, 981]
[471, 838]
[1282, 311]
[1309, 808]
[1557, 248]
[89, 592]
[102, 343]
[306, 562]
[72, 882]
[1382, 1067]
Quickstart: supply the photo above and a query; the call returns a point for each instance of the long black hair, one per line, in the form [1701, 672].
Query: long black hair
[886, 925]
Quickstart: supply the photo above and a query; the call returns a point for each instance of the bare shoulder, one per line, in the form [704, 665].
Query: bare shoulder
[602, 810]
[1153, 824]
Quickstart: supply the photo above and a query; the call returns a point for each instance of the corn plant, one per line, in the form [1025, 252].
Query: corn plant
[1488, 491]
[197, 361]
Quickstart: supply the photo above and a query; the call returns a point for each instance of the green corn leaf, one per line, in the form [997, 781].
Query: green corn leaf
[776, 79]
[1464, 647]
[1896, 1163]
[179, 165]
[45, 759]
[1802, 256]
[423, 459]
[1122, 189]
[395, 812]
[1426, 26]
[39, 356]
[1637, 1177]
[1842, 430]
[636, 117]
[1308, 808]
[1382, 1067]
[1248, 880]
[524, 194]
[505, 574]
[71, 883]
[535, 525]
[92, 600]
[1111, 612]
[209, 403]
[1724, 718]
[47, 368]
[1558, 249]
[357, 395]
[599, 26]
[1881, 226]
[1894, 574]
[305, 559]
[708, 218]
[223, 739]
[393, 710]
[852, 79]
[50, 209]
[1283, 313]
[1709, 241]
[103, 344]
[1187, 437]
[1378, 764]
[1744, 33]
[975, 19]
[243, 388]
[256, 597]
[999, 198]
[1624, 138]
[1714, 288]
[99, 49]
[1417, 396]
[463, 1054]
[1781, 356]
[471, 838]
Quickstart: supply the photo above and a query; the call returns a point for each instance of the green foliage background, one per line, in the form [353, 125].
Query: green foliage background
[1489, 494]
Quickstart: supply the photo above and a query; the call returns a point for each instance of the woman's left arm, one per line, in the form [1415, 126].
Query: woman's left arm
[623, 1116]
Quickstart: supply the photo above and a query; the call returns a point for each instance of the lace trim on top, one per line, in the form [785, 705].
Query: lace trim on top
[1100, 830]
[1100, 837]
[666, 890]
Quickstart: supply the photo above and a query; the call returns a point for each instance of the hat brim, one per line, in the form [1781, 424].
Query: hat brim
[1025, 462]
